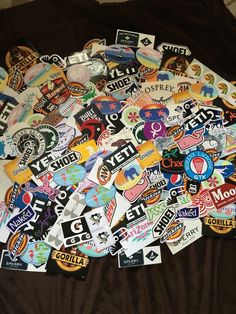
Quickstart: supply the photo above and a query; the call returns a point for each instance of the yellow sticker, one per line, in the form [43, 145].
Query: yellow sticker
[149, 154]
[16, 174]
[86, 150]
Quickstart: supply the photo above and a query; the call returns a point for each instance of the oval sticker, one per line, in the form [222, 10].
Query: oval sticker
[89, 249]
[203, 91]
[154, 112]
[129, 176]
[36, 253]
[99, 196]
[70, 175]
[149, 57]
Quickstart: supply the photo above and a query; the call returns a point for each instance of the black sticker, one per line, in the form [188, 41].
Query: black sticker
[135, 259]
[121, 157]
[39, 165]
[91, 112]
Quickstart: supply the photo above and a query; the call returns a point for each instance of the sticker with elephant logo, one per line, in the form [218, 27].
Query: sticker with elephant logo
[203, 91]
[129, 176]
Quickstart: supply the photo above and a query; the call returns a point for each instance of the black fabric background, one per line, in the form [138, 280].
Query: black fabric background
[201, 278]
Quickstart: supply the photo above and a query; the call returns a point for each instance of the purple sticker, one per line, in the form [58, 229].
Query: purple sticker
[153, 130]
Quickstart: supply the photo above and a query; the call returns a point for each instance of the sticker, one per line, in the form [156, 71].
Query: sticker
[188, 213]
[132, 194]
[87, 149]
[107, 104]
[20, 219]
[29, 137]
[148, 154]
[219, 226]
[192, 232]
[75, 231]
[121, 157]
[198, 165]
[99, 196]
[129, 176]
[130, 116]
[63, 161]
[68, 261]
[223, 195]
[203, 91]
[17, 244]
[89, 249]
[16, 174]
[173, 232]
[165, 76]
[226, 212]
[149, 57]
[54, 59]
[119, 54]
[120, 84]
[163, 222]
[56, 90]
[183, 50]
[50, 134]
[173, 161]
[100, 174]
[66, 134]
[147, 256]
[69, 175]
[154, 112]
[39, 166]
[78, 73]
[133, 39]
[153, 130]
[36, 253]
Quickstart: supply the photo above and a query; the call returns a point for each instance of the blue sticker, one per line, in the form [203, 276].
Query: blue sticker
[70, 175]
[198, 165]
[227, 212]
[154, 112]
[99, 196]
[36, 253]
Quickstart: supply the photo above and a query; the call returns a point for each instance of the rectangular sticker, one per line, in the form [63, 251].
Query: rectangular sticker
[121, 157]
[192, 232]
[134, 39]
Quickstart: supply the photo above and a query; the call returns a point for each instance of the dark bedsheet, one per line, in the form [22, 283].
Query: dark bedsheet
[200, 278]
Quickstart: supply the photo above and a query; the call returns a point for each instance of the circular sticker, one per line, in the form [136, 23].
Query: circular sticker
[36, 253]
[29, 137]
[130, 116]
[138, 132]
[119, 53]
[216, 179]
[66, 134]
[153, 130]
[50, 134]
[78, 73]
[203, 91]
[149, 57]
[35, 120]
[89, 249]
[97, 67]
[18, 113]
[198, 165]
[147, 73]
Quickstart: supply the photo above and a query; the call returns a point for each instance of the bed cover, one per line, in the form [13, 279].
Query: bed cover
[200, 278]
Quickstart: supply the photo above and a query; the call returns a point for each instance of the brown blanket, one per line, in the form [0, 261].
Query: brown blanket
[200, 278]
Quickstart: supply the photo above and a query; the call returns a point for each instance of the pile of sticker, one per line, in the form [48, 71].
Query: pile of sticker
[109, 150]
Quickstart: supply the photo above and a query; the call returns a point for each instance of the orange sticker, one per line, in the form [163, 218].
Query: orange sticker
[16, 174]
[149, 154]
